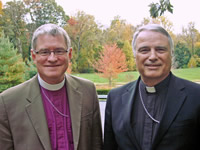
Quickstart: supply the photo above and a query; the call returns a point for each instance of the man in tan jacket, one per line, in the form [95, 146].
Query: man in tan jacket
[51, 111]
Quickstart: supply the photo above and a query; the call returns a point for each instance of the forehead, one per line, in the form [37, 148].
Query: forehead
[147, 38]
[50, 40]
[151, 35]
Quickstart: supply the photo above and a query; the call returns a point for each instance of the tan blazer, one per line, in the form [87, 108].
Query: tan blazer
[23, 125]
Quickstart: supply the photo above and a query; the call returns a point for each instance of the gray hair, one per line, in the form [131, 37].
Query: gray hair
[154, 28]
[50, 29]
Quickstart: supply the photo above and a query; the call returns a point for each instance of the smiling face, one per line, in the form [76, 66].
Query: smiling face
[51, 68]
[153, 57]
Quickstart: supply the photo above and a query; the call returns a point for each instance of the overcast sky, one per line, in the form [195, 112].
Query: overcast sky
[133, 11]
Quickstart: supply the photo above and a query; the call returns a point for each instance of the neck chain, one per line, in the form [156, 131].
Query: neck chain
[146, 109]
[64, 115]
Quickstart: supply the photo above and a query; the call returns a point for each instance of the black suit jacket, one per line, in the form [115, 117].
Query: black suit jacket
[179, 127]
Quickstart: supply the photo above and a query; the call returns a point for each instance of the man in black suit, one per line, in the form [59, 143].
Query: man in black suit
[159, 111]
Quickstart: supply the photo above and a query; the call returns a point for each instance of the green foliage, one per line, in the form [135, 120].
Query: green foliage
[11, 64]
[30, 70]
[21, 18]
[103, 91]
[86, 37]
[127, 49]
[192, 63]
[182, 55]
[14, 26]
[197, 59]
[189, 36]
[118, 32]
[45, 11]
[197, 51]
[158, 9]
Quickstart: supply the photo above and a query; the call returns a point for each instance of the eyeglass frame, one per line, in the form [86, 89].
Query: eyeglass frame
[52, 51]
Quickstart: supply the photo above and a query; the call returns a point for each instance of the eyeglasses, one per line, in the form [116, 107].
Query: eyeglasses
[46, 52]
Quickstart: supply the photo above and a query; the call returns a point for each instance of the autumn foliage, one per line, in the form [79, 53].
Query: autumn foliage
[112, 62]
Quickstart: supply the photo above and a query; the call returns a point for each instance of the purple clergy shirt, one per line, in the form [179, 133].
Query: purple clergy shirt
[60, 128]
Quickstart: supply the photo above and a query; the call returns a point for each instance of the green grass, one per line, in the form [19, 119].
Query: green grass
[192, 74]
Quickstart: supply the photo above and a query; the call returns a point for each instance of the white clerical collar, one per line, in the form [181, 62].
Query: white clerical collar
[51, 87]
[150, 89]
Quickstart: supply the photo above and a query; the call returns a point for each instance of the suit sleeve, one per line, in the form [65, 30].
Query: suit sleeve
[6, 141]
[97, 141]
[109, 137]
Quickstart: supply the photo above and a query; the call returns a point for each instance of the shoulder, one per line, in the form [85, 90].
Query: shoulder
[74, 79]
[80, 83]
[124, 88]
[190, 86]
[185, 82]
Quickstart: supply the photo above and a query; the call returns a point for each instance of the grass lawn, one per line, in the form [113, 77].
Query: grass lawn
[192, 74]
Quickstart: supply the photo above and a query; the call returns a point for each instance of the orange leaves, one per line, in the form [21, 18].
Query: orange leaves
[72, 21]
[112, 62]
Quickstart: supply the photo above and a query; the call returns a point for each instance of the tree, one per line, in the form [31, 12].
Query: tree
[189, 36]
[197, 59]
[192, 63]
[158, 9]
[14, 26]
[197, 49]
[30, 69]
[11, 64]
[127, 49]
[162, 20]
[112, 62]
[119, 31]
[1, 6]
[182, 55]
[45, 11]
[40, 12]
[85, 35]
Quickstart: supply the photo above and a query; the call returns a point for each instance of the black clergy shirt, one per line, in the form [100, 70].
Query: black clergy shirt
[143, 126]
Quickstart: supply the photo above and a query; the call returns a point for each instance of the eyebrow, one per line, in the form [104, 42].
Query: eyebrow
[143, 47]
[163, 47]
[53, 49]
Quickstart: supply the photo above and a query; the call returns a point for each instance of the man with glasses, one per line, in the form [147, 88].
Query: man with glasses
[53, 110]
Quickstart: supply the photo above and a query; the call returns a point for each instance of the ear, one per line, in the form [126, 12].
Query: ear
[33, 55]
[70, 53]
[134, 53]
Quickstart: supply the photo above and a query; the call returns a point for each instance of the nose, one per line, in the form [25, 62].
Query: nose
[52, 57]
[153, 55]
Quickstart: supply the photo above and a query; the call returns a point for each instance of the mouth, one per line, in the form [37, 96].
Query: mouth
[52, 66]
[153, 66]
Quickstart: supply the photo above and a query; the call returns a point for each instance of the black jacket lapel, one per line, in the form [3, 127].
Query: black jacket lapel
[175, 98]
[127, 102]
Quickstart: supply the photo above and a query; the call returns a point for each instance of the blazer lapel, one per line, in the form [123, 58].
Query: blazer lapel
[175, 98]
[127, 102]
[35, 111]
[75, 104]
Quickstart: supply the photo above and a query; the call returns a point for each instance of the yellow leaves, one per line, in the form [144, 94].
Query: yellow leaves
[1, 7]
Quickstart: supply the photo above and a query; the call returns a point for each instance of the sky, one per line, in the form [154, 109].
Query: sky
[134, 11]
